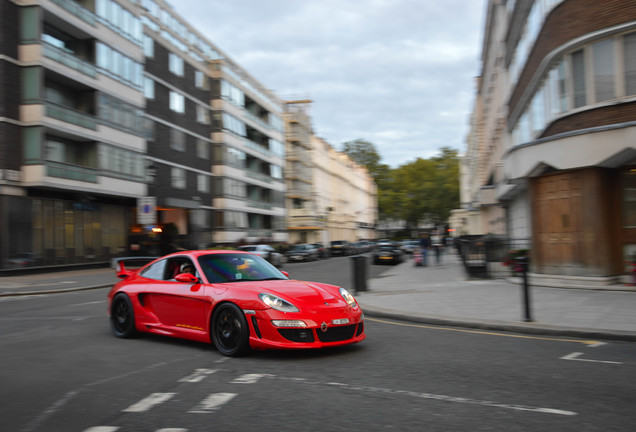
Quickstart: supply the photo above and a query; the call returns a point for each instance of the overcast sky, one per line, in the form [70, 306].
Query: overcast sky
[398, 73]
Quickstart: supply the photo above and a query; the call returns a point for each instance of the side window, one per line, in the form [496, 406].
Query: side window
[177, 266]
[155, 271]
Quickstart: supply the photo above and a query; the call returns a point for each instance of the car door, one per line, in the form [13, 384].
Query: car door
[181, 307]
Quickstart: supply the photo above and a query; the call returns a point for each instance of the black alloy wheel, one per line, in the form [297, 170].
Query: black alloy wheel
[230, 331]
[122, 317]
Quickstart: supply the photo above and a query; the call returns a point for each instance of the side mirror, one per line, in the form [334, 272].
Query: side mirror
[285, 273]
[186, 278]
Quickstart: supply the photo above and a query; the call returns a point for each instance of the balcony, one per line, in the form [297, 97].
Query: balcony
[69, 115]
[71, 172]
[77, 10]
[69, 60]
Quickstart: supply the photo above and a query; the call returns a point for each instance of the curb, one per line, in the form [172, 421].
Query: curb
[53, 291]
[531, 329]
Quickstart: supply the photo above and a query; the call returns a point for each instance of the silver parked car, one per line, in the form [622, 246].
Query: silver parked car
[267, 252]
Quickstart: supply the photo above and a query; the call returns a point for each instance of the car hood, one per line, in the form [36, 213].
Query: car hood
[300, 293]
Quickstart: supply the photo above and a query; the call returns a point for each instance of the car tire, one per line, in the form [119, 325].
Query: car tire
[122, 317]
[230, 331]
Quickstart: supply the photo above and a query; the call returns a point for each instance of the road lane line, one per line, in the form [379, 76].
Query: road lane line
[249, 378]
[149, 402]
[102, 429]
[198, 375]
[485, 332]
[575, 356]
[212, 403]
[454, 399]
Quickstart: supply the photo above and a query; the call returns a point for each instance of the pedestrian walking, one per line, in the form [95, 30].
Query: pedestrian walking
[425, 245]
[438, 246]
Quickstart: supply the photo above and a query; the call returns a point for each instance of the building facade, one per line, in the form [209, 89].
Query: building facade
[118, 119]
[329, 197]
[72, 131]
[552, 139]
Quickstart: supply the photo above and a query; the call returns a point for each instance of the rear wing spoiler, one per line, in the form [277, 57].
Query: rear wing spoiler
[119, 264]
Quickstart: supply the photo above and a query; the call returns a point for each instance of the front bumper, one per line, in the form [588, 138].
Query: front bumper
[323, 329]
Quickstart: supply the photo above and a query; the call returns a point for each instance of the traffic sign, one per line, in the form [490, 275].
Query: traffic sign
[147, 210]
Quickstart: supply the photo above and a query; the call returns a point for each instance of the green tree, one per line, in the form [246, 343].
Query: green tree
[365, 153]
[430, 188]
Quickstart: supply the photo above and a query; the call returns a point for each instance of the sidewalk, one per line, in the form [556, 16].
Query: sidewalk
[442, 295]
[433, 295]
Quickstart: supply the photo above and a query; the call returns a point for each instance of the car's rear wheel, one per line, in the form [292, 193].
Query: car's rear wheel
[230, 332]
[122, 317]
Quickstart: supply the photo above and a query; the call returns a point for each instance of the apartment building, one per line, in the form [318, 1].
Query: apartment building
[72, 130]
[248, 158]
[552, 135]
[329, 197]
[217, 144]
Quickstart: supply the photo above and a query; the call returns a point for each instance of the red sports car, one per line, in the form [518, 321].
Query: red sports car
[235, 299]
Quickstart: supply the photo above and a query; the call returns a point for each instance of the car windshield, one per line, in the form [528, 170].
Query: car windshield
[249, 248]
[299, 248]
[230, 267]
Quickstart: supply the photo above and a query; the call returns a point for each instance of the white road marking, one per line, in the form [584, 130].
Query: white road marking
[198, 375]
[455, 399]
[249, 378]
[88, 303]
[212, 403]
[597, 344]
[50, 411]
[575, 355]
[149, 402]
[102, 429]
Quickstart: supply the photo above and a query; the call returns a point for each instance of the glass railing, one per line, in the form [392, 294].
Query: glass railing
[258, 176]
[70, 116]
[258, 148]
[259, 233]
[259, 204]
[71, 172]
[70, 60]
[77, 10]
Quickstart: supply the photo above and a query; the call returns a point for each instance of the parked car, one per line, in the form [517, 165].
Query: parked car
[302, 252]
[234, 299]
[388, 253]
[323, 252]
[340, 247]
[408, 246]
[267, 252]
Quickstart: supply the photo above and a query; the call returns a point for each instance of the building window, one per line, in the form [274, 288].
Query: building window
[178, 178]
[175, 64]
[629, 199]
[603, 76]
[149, 88]
[200, 80]
[203, 115]
[149, 46]
[203, 149]
[177, 102]
[177, 140]
[578, 78]
[203, 183]
[629, 53]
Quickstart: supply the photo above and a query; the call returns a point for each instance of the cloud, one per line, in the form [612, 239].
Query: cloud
[398, 73]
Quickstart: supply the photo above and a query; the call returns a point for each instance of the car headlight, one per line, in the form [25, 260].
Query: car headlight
[277, 303]
[346, 295]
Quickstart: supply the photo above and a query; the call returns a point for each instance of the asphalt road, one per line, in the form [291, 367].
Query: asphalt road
[62, 370]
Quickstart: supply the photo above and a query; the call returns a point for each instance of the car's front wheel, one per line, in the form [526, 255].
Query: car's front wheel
[122, 317]
[230, 331]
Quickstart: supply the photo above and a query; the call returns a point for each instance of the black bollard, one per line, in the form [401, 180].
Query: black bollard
[359, 272]
[523, 263]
